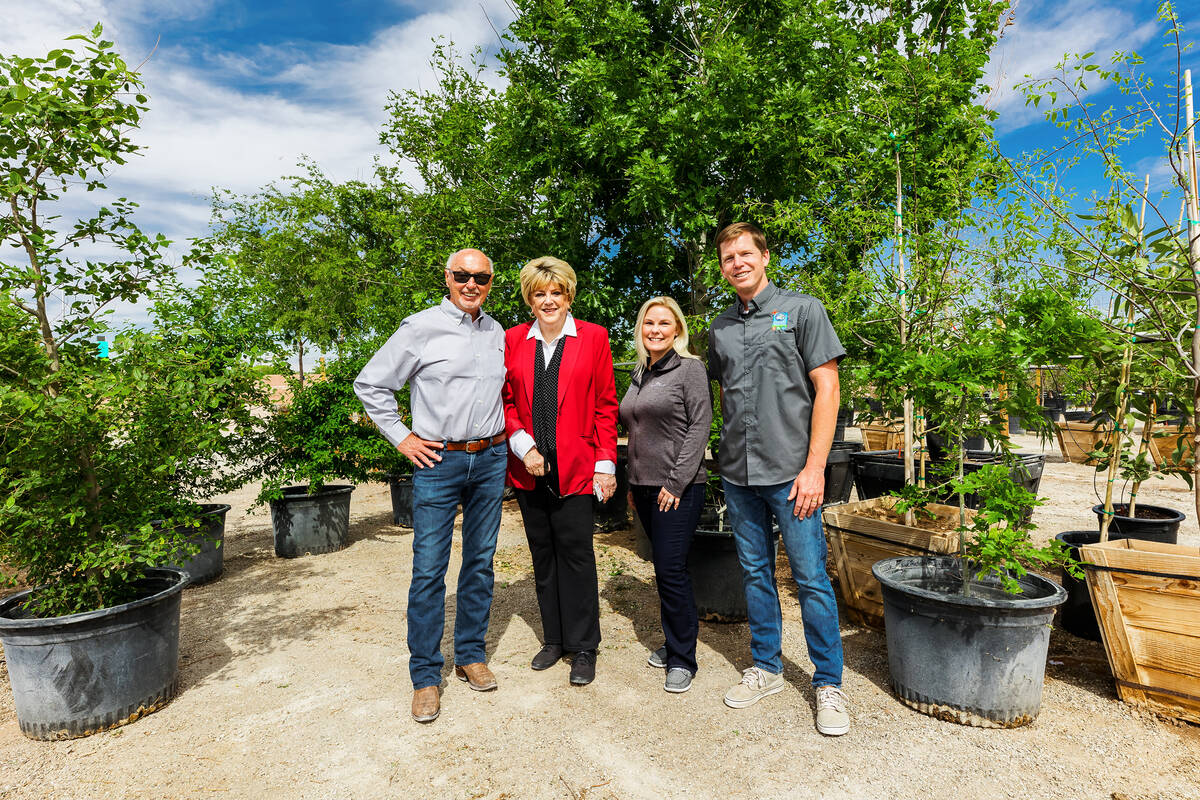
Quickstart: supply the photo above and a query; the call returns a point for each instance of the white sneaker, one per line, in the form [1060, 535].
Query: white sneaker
[755, 685]
[832, 719]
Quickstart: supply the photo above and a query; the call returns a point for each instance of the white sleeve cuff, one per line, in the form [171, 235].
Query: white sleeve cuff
[606, 467]
[521, 443]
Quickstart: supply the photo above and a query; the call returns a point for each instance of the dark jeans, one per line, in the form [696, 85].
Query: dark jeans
[559, 531]
[670, 535]
[476, 480]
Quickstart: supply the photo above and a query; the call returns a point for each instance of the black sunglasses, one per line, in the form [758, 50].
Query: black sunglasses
[481, 278]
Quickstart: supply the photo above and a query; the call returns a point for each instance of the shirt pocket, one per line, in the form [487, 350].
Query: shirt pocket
[441, 357]
[775, 352]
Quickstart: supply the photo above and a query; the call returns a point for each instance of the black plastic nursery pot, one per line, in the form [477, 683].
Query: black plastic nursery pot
[1152, 523]
[717, 576]
[84, 673]
[839, 472]
[613, 513]
[1077, 616]
[401, 488]
[311, 524]
[845, 416]
[209, 562]
[976, 659]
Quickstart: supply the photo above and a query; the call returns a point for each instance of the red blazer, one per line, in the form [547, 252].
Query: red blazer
[587, 404]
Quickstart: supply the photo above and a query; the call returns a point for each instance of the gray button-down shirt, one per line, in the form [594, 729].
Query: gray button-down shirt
[762, 359]
[455, 368]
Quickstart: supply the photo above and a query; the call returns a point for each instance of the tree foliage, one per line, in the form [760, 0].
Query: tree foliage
[316, 263]
[629, 132]
[93, 450]
[1137, 244]
[320, 432]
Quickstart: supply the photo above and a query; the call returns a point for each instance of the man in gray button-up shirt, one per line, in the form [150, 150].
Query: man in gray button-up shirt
[776, 357]
[452, 357]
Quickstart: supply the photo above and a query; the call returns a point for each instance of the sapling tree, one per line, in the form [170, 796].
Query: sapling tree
[92, 450]
[321, 433]
[1150, 267]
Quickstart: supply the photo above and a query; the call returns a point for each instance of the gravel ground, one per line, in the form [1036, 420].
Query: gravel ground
[294, 684]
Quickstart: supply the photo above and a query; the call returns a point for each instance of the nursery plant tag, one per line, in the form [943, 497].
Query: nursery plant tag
[778, 320]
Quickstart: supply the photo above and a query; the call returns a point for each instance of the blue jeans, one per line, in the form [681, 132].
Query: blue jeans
[476, 480]
[750, 511]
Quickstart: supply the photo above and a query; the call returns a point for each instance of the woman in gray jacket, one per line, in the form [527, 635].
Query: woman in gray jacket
[667, 413]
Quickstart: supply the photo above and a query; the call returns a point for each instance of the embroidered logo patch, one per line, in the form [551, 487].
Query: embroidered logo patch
[778, 320]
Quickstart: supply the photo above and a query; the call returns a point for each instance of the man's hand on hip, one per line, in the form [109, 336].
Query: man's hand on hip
[421, 452]
[808, 490]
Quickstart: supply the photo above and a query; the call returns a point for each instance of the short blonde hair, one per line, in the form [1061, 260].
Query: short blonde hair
[681, 338]
[544, 271]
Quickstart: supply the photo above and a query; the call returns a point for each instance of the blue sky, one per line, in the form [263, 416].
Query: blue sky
[241, 89]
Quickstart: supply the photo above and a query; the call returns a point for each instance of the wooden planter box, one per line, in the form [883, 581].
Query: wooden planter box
[1165, 443]
[1077, 439]
[856, 542]
[882, 435]
[1150, 623]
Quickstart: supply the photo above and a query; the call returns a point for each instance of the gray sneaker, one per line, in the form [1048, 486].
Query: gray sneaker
[658, 659]
[832, 719]
[755, 685]
[679, 680]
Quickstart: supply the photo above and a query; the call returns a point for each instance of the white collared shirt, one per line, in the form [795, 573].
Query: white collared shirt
[535, 332]
[521, 442]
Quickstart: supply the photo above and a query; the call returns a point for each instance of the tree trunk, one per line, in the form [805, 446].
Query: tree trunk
[1193, 230]
[697, 289]
[300, 359]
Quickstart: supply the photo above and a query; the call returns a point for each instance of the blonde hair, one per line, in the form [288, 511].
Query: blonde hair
[544, 271]
[681, 336]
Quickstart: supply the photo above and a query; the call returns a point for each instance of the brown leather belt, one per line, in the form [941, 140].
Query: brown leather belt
[475, 445]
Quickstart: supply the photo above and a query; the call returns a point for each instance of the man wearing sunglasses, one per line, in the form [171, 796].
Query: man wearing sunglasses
[452, 357]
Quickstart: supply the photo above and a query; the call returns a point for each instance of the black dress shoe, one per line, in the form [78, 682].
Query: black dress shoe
[547, 657]
[583, 668]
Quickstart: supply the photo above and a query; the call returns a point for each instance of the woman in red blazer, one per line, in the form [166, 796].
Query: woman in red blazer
[560, 409]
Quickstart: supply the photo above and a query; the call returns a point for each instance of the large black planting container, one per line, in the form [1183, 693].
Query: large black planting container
[839, 472]
[613, 513]
[976, 659]
[311, 523]
[845, 416]
[1077, 616]
[1153, 523]
[209, 561]
[879, 472]
[83, 673]
[401, 490]
[717, 575]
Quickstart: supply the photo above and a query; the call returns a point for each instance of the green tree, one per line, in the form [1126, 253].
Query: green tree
[1138, 244]
[93, 450]
[629, 132]
[316, 264]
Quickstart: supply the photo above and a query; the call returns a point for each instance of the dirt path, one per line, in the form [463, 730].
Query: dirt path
[294, 684]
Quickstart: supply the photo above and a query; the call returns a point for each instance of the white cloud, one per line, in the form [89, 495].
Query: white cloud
[1036, 42]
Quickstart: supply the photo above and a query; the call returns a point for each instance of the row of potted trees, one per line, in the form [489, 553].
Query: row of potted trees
[967, 635]
[109, 454]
